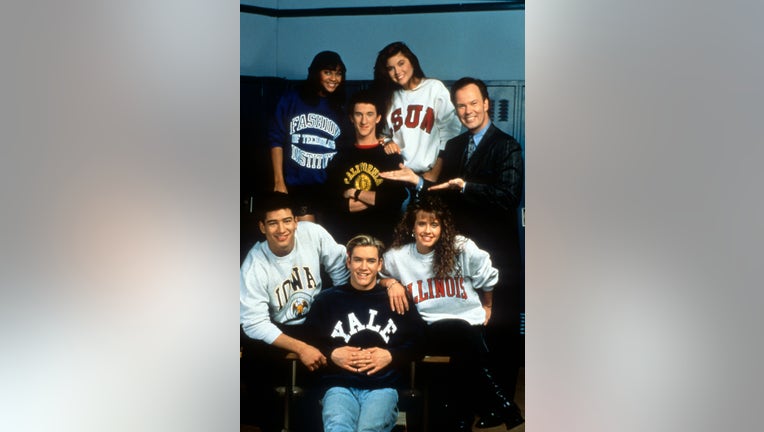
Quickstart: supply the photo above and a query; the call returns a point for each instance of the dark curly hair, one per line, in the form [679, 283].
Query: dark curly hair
[446, 250]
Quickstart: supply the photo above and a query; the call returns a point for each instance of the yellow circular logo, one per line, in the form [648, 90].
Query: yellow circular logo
[362, 182]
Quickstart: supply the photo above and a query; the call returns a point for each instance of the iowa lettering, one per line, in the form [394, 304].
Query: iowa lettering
[355, 325]
[300, 279]
[437, 288]
[414, 118]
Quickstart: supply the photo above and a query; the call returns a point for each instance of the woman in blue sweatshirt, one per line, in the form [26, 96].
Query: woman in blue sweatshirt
[304, 131]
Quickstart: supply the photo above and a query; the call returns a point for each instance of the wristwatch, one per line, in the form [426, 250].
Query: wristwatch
[355, 195]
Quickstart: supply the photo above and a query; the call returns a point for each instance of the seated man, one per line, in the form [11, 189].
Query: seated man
[279, 279]
[357, 198]
[368, 345]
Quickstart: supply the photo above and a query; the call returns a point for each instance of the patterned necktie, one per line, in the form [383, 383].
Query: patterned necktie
[471, 147]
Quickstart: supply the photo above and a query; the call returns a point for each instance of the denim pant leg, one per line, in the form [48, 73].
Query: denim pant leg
[379, 410]
[341, 410]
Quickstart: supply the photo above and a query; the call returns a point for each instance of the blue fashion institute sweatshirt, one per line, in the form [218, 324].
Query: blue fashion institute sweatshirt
[343, 316]
[308, 136]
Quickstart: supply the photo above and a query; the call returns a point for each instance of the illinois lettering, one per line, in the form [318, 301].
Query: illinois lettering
[432, 288]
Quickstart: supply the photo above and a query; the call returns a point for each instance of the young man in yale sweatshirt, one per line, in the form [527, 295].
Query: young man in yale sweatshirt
[367, 345]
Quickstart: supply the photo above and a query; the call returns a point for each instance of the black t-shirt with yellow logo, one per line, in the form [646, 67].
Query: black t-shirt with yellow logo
[359, 168]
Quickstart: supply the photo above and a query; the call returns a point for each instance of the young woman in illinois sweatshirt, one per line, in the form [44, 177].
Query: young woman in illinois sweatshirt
[451, 281]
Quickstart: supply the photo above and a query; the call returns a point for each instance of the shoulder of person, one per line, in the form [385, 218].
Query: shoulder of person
[494, 134]
[257, 262]
[434, 82]
[307, 224]
[462, 137]
[319, 230]
[345, 142]
[258, 253]
[289, 96]
[252, 257]
[327, 294]
[308, 228]
[473, 250]
[461, 242]
[393, 252]
[344, 152]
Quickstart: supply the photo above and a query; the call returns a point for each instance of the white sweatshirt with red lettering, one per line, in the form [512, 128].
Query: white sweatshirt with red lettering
[420, 121]
[452, 297]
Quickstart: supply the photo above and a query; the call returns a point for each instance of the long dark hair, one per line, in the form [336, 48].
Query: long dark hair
[446, 251]
[382, 84]
[309, 90]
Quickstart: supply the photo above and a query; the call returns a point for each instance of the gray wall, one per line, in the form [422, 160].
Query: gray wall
[488, 45]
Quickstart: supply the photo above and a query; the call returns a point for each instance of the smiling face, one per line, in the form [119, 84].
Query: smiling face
[426, 231]
[401, 71]
[364, 263]
[329, 79]
[365, 120]
[279, 227]
[471, 108]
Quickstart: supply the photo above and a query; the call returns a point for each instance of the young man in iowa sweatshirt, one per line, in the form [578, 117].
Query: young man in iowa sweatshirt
[367, 344]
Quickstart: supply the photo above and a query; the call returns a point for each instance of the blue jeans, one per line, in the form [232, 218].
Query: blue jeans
[357, 410]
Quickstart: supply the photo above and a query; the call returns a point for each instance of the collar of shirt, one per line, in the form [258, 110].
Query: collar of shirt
[479, 135]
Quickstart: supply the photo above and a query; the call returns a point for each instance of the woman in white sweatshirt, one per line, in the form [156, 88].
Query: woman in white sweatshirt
[451, 283]
[419, 115]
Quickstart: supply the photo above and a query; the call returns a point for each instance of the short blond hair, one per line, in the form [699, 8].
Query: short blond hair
[365, 240]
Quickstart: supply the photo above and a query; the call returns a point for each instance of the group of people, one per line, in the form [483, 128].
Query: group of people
[393, 171]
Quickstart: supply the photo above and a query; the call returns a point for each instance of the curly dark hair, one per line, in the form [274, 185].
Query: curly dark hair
[446, 250]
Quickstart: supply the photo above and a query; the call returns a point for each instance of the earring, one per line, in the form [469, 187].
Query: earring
[413, 235]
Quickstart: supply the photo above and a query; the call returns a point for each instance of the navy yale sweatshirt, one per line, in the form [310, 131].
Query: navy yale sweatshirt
[343, 316]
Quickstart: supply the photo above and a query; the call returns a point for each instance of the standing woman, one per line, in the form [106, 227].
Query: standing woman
[451, 283]
[304, 131]
[419, 115]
